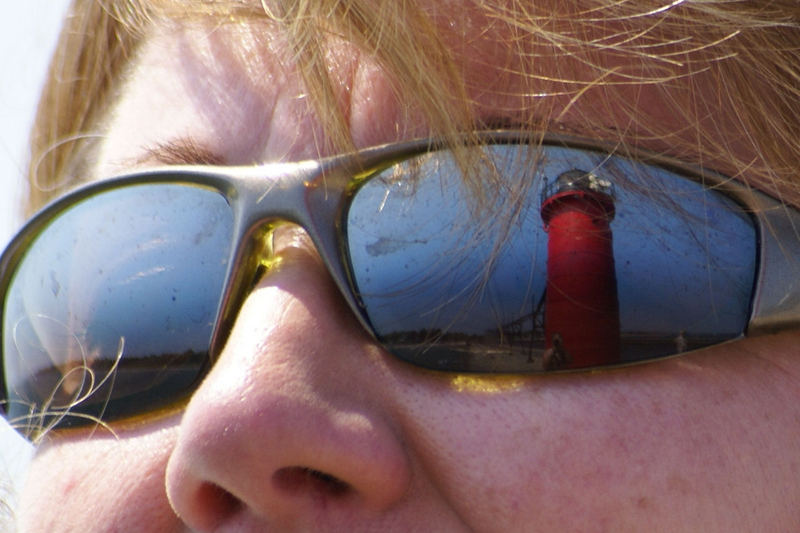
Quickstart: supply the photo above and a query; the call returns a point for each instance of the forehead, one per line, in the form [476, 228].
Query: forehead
[241, 89]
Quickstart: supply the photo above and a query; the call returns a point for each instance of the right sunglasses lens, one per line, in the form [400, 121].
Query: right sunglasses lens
[577, 259]
[111, 310]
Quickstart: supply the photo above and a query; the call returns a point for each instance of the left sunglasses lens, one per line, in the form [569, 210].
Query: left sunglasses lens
[111, 310]
[576, 259]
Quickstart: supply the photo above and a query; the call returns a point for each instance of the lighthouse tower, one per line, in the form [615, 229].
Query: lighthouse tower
[581, 307]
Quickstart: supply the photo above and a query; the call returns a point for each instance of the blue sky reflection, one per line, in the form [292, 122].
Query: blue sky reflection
[685, 255]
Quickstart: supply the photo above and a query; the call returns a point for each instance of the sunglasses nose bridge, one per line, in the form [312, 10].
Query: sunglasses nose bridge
[306, 194]
[272, 192]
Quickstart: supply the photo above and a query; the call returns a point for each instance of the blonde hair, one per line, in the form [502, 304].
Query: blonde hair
[747, 52]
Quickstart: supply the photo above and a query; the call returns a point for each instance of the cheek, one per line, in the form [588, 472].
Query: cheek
[100, 484]
[707, 434]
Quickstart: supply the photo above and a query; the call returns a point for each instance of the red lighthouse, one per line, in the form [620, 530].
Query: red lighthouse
[581, 306]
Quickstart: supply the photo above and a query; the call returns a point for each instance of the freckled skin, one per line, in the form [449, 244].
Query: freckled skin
[304, 424]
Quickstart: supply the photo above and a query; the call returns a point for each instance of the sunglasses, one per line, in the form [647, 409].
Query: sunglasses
[505, 256]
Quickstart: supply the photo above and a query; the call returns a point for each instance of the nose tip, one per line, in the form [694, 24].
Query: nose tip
[277, 435]
[307, 468]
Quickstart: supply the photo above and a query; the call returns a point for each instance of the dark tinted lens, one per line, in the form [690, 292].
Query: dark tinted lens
[634, 262]
[111, 310]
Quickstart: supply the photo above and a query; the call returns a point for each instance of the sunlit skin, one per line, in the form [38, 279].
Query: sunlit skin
[305, 424]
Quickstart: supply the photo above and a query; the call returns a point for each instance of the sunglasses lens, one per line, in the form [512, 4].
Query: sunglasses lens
[547, 258]
[580, 260]
[111, 310]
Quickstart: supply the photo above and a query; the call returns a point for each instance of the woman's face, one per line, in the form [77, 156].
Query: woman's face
[304, 424]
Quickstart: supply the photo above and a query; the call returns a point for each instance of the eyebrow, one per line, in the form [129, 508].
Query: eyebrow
[181, 151]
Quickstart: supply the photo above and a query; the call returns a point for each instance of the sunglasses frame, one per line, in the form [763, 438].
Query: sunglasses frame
[314, 194]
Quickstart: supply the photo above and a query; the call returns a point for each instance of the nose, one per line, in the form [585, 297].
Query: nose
[289, 430]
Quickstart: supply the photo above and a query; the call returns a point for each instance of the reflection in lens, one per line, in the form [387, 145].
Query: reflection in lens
[450, 286]
[581, 306]
[111, 311]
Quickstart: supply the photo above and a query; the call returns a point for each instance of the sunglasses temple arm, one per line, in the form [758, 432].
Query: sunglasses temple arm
[776, 304]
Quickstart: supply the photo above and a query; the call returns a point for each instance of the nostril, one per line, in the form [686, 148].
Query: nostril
[299, 479]
[216, 501]
[327, 482]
